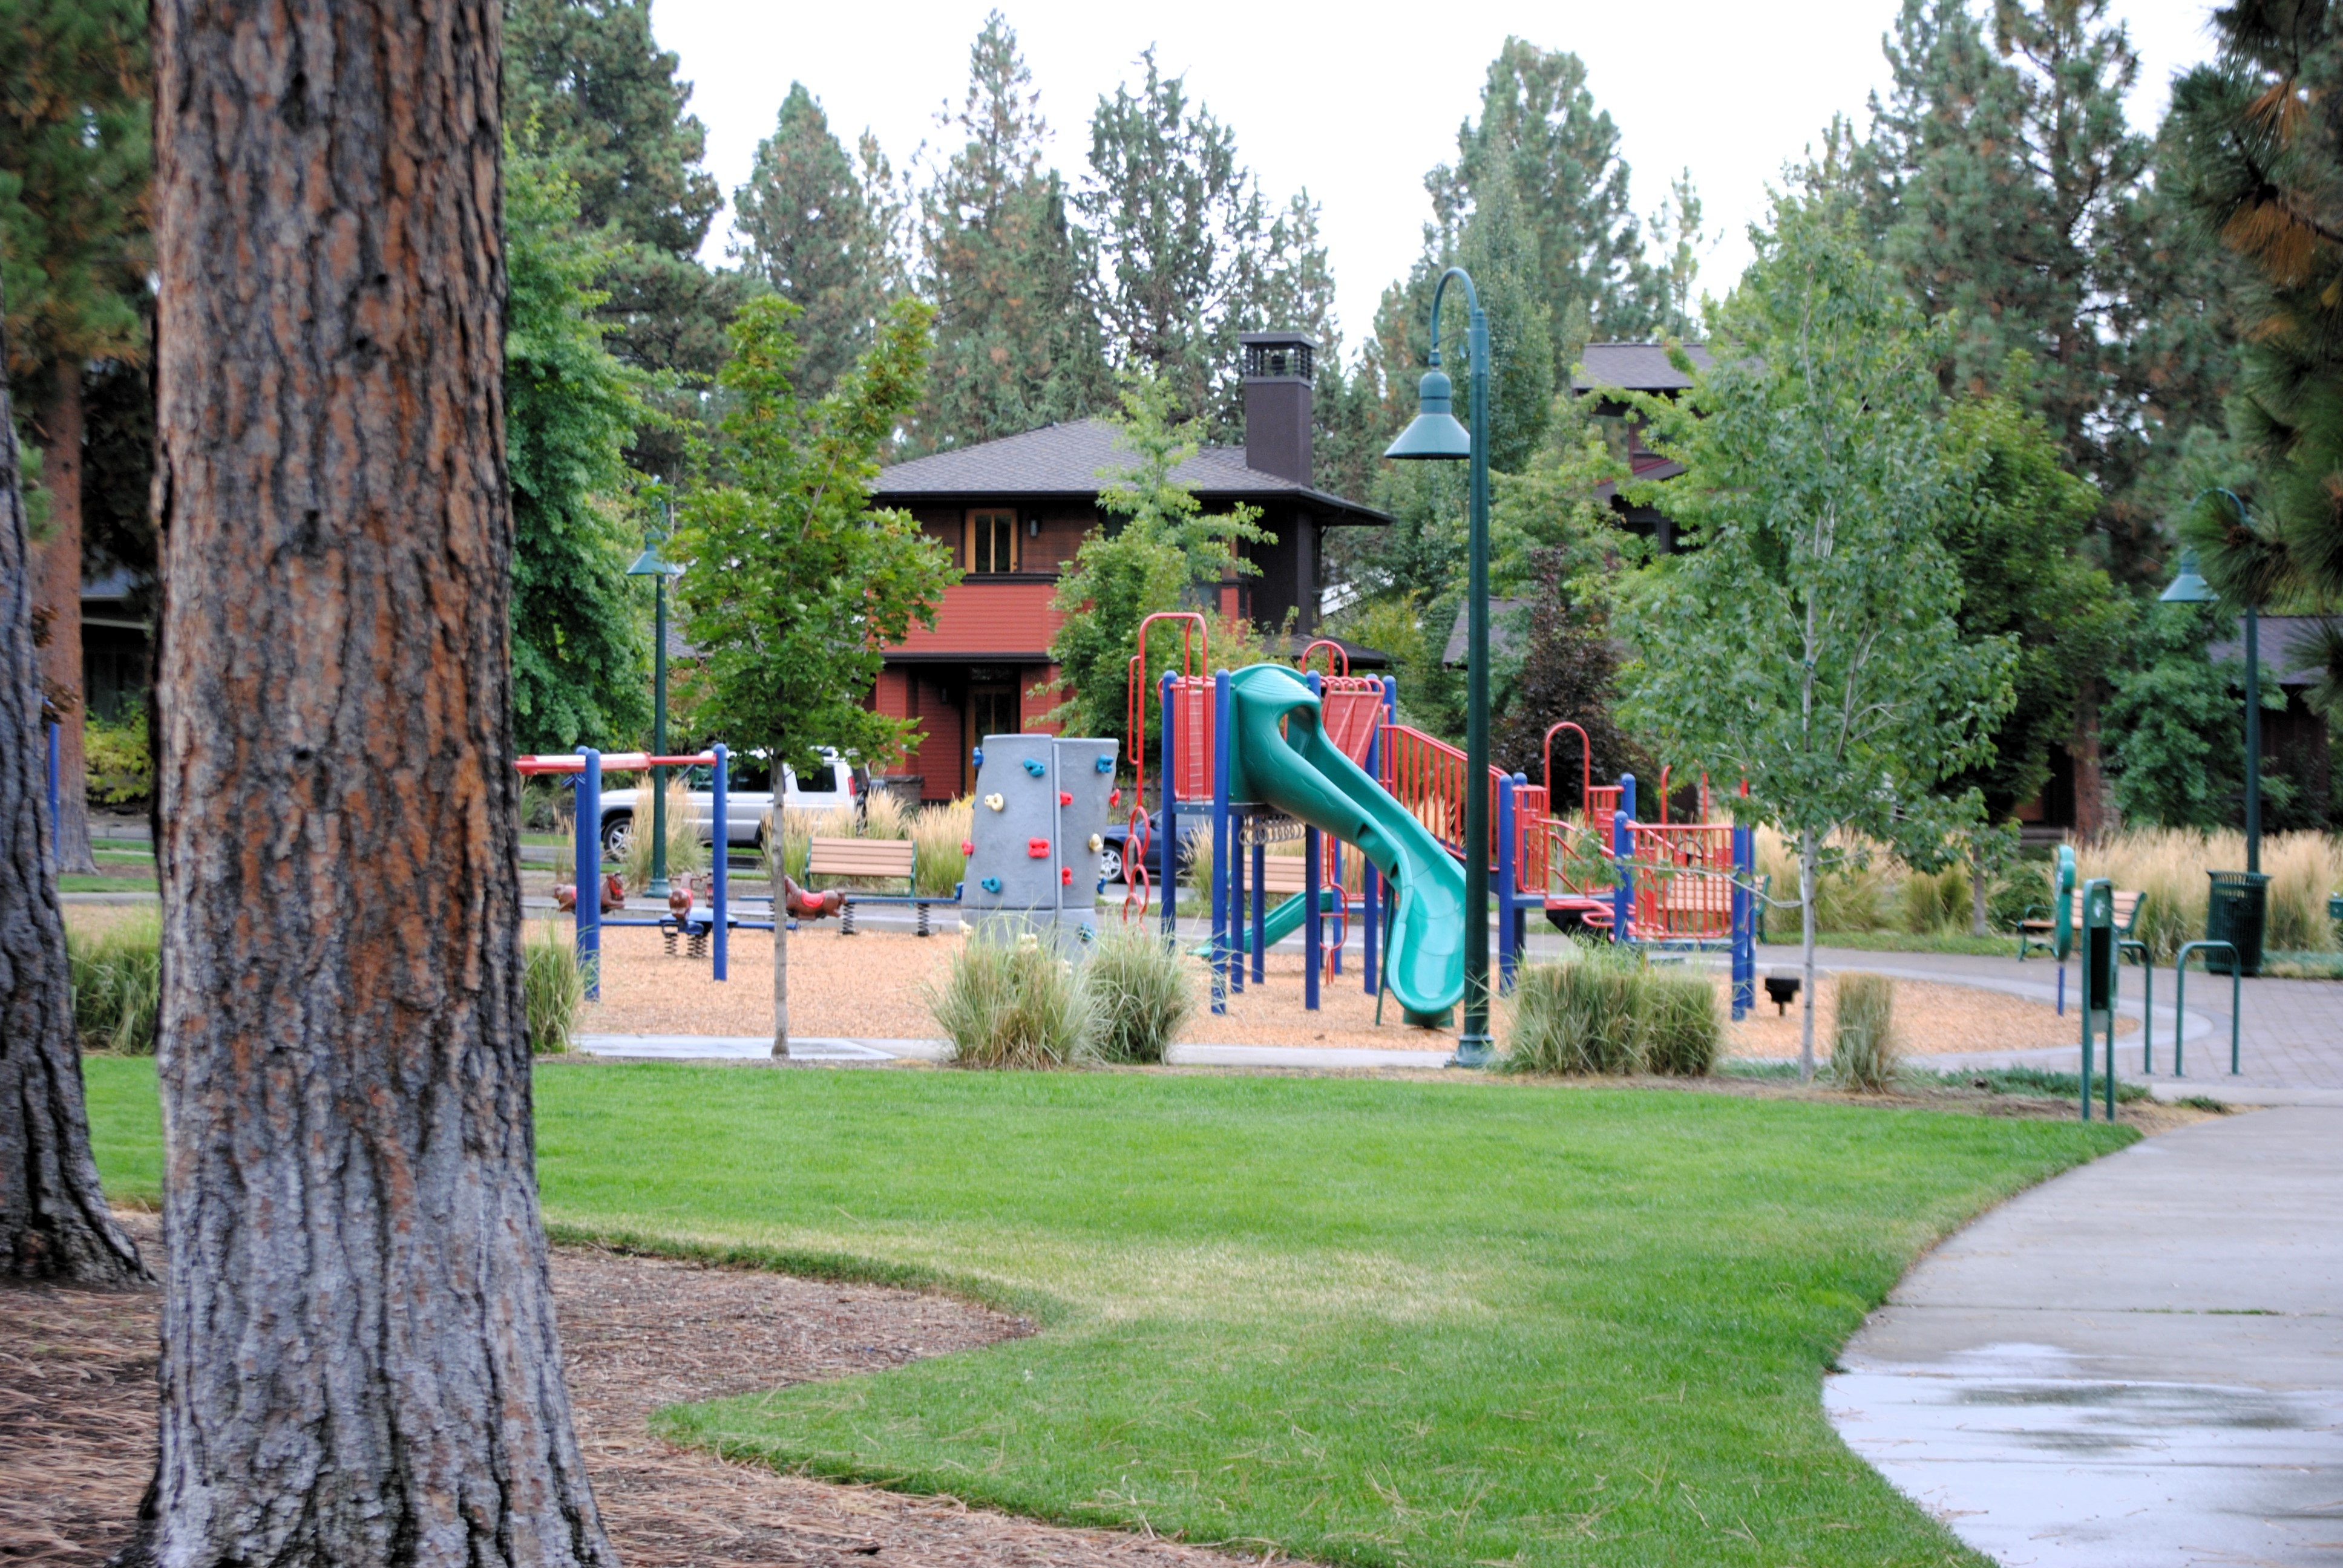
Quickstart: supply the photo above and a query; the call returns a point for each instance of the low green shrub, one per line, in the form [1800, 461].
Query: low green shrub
[1601, 1012]
[1009, 1001]
[1865, 1047]
[1930, 903]
[1853, 898]
[2016, 896]
[553, 989]
[117, 765]
[1137, 989]
[116, 978]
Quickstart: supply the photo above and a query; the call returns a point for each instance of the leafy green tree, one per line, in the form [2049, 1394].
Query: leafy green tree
[1164, 548]
[1016, 344]
[2016, 543]
[75, 160]
[808, 228]
[794, 584]
[580, 650]
[1808, 643]
[1540, 127]
[2261, 162]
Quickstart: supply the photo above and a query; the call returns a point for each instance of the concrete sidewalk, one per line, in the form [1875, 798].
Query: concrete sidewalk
[2140, 1362]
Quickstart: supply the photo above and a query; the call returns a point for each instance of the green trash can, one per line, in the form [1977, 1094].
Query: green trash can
[2236, 911]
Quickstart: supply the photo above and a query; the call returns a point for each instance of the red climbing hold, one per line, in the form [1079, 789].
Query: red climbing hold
[1113, 799]
[1065, 875]
[1065, 797]
[967, 847]
[1038, 847]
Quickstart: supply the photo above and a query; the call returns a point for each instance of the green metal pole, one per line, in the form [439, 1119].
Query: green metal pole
[2253, 739]
[1472, 1041]
[658, 742]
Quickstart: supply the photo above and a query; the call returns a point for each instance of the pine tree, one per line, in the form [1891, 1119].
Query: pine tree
[1016, 344]
[1181, 231]
[808, 228]
[2003, 183]
[2260, 160]
[1539, 121]
[76, 162]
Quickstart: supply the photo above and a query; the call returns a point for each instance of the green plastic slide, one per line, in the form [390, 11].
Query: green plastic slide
[1279, 757]
[1278, 921]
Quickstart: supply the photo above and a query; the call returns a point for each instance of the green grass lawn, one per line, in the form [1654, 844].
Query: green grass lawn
[1451, 1323]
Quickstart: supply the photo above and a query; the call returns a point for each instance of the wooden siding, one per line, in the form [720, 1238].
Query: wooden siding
[979, 618]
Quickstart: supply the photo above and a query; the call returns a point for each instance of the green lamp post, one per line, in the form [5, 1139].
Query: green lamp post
[1435, 436]
[653, 564]
[2190, 588]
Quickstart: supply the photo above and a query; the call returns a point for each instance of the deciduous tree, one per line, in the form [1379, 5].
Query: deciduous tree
[359, 1362]
[54, 1223]
[793, 583]
[1808, 642]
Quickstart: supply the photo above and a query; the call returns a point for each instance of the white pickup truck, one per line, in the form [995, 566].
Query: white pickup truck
[748, 799]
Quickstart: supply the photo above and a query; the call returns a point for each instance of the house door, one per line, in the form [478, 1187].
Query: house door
[991, 710]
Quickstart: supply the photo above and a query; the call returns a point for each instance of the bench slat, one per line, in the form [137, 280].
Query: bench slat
[861, 858]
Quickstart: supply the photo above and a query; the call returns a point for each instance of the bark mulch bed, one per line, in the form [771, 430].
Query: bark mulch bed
[77, 1420]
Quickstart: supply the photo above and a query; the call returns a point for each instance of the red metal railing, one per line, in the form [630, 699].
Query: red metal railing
[1426, 777]
[1683, 880]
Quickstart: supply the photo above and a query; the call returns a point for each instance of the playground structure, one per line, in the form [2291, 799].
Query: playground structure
[1036, 829]
[1268, 751]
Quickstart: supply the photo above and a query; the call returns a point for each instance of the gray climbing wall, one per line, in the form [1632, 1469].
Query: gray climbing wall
[1042, 810]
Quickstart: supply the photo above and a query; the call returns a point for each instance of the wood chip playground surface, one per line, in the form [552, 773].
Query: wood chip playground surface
[871, 986]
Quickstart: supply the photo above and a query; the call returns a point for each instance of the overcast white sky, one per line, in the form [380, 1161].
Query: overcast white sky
[1353, 101]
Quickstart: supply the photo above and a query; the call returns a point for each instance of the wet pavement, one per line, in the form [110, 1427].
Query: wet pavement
[2139, 1362]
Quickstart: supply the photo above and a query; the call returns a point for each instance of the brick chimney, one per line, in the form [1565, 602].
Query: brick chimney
[1277, 381]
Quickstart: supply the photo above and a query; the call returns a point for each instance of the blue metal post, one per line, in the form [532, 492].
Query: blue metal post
[1623, 846]
[1260, 891]
[589, 872]
[1504, 885]
[1221, 842]
[1168, 851]
[1371, 876]
[1313, 937]
[723, 857]
[1744, 899]
[56, 857]
[1343, 894]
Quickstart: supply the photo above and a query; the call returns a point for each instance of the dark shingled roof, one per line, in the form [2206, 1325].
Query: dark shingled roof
[1066, 460]
[1634, 367]
[2291, 645]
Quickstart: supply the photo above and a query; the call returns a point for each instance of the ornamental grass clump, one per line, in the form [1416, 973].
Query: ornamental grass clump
[936, 838]
[1865, 1049]
[1137, 989]
[1008, 1001]
[553, 991]
[116, 978]
[685, 853]
[1682, 1034]
[1575, 1017]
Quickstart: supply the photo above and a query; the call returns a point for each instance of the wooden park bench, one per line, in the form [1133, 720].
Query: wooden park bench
[885, 860]
[2039, 929]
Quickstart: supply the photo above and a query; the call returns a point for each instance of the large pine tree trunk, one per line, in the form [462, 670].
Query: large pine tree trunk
[53, 1218]
[359, 1365]
[61, 666]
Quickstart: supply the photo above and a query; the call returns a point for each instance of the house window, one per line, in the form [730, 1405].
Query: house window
[991, 542]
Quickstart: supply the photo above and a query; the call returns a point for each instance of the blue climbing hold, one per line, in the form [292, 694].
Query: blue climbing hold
[1106, 764]
[1033, 766]
[976, 757]
[991, 884]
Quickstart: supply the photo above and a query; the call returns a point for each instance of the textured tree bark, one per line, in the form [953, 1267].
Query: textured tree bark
[61, 667]
[2095, 812]
[359, 1363]
[53, 1222]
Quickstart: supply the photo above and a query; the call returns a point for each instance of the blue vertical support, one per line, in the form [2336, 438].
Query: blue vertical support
[1623, 848]
[1313, 913]
[589, 872]
[1260, 891]
[1745, 945]
[1504, 882]
[720, 894]
[1371, 876]
[1221, 842]
[56, 857]
[1520, 934]
[1342, 893]
[1168, 851]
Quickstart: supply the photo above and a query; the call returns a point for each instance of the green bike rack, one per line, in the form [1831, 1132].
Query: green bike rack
[2098, 1008]
[2180, 999]
[2147, 1007]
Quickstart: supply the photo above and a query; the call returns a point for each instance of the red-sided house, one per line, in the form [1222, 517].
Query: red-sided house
[1014, 511]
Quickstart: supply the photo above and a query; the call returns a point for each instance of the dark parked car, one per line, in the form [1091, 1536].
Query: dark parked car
[1111, 857]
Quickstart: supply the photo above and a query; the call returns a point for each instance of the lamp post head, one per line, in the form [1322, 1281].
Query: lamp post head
[1435, 435]
[651, 564]
[2188, 587]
